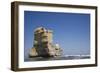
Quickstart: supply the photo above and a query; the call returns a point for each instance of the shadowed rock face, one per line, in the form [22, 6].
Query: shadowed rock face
[43, 44]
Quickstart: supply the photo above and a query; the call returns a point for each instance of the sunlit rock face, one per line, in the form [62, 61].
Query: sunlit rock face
[43, 44]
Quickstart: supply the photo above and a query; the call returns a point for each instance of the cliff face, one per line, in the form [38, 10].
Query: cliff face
[43, 44]
[33, 52]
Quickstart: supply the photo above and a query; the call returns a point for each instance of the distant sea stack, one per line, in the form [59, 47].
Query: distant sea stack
[43, 44]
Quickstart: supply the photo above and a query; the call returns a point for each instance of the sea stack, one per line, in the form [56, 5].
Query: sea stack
[43, 44]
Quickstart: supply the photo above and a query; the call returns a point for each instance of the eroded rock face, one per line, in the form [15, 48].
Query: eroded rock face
[43, 44]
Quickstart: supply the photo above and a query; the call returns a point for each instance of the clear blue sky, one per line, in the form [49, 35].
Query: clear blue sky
[71, 30]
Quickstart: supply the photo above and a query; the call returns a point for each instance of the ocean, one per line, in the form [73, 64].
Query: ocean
[67, 57]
